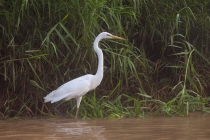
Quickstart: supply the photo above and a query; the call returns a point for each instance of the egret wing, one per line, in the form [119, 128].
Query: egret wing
[72, 89]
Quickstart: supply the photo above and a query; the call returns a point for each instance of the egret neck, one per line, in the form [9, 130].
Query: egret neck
[99, 74]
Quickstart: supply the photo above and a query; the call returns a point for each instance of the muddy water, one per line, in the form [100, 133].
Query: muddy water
[194, 127]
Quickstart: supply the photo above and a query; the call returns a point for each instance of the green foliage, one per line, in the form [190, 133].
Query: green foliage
[163, 67]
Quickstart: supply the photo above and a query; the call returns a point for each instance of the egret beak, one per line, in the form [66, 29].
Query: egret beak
[117, 37]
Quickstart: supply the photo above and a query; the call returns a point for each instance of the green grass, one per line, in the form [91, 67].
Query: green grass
[161, 69]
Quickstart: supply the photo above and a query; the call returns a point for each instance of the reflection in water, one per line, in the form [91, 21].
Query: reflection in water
[194, 127]
[66, 129]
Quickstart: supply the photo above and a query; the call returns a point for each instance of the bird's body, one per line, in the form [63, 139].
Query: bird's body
[78, 87]
[72, 89]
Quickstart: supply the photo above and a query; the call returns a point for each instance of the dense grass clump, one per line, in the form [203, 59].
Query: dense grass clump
[162, 68]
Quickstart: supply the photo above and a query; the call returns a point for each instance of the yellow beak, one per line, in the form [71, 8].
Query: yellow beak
[117, 37]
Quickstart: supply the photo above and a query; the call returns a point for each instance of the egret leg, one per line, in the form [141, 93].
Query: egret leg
[56, 110]
[78, 104]
[76, 113]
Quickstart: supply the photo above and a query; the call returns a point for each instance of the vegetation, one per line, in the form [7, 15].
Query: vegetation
[163, 67]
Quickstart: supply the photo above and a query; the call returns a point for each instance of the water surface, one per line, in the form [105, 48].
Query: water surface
[193, 127]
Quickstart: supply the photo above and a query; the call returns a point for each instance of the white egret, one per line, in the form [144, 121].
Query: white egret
[78, 87]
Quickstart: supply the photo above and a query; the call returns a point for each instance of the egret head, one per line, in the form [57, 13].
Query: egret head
[105, 35]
